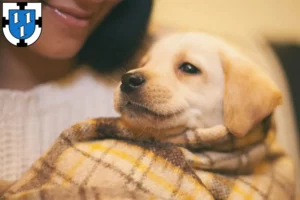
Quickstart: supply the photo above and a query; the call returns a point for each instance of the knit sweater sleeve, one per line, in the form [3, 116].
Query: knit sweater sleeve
[30, 121]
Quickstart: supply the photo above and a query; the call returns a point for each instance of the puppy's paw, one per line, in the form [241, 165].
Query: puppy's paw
[111, 128]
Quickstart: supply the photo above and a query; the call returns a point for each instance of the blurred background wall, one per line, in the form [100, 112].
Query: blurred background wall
[277, 19]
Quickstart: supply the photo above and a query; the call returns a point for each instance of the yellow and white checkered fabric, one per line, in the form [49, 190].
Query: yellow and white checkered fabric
[80, 167]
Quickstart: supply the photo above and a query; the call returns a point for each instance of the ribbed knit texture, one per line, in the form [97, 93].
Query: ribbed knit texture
[30, 121]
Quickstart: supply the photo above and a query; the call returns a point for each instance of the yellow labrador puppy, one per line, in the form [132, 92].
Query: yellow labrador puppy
[194, 80]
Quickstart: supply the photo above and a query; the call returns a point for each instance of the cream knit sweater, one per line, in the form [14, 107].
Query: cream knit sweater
[30, 121]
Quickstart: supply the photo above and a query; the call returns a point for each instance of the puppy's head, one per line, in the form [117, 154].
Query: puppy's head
[194, 80]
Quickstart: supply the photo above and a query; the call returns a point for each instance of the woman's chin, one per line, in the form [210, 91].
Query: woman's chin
[61, 51]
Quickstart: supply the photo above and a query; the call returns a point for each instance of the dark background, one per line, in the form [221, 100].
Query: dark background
[289, 56]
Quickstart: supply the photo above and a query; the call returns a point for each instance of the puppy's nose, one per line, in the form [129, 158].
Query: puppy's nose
[132, 81]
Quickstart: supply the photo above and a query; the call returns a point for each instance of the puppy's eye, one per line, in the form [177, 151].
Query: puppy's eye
[189, 68]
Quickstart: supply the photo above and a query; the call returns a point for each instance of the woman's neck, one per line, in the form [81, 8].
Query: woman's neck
[21, 69]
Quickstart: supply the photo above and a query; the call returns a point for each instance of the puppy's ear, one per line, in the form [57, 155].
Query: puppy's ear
[249, 94]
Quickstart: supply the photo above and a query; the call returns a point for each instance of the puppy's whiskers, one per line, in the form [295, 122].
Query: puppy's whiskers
[122, 70]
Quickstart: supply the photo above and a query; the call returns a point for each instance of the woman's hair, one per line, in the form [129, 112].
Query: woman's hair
[118, 36]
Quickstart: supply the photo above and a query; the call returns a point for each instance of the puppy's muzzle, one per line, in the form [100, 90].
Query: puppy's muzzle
[132, 81]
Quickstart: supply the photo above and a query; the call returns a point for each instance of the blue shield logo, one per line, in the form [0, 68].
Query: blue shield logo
[22, 23]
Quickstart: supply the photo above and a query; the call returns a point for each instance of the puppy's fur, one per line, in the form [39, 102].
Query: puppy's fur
[230, 89]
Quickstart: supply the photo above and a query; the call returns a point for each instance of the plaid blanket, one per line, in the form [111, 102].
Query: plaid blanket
[100, 159]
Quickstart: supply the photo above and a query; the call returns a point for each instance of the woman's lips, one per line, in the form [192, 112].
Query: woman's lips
[73, 17]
